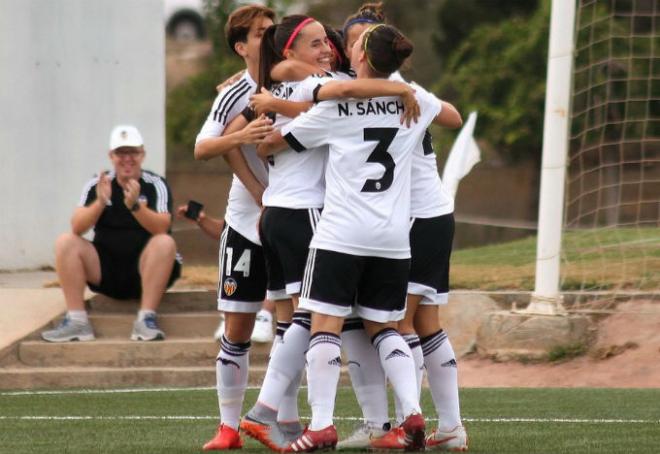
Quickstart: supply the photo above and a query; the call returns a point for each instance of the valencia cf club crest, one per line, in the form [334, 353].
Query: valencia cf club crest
[230, 286]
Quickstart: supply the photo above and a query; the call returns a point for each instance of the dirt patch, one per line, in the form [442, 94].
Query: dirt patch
[626, 354]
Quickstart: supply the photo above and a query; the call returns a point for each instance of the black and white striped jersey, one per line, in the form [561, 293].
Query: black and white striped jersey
[367, 200]
[242, 211]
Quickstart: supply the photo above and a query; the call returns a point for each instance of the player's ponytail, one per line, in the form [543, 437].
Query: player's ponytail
[276, 39]
[385, 48]
[268, 57]
[343, 63]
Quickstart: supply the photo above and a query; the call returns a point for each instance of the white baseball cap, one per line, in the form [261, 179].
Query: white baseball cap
[125, 136]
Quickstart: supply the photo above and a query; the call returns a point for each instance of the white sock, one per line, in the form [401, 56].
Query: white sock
[399, 366]
[142, 313]
[323, 369]
[279, 332]
[78, 316]
[413, 342]
[288, 410]
[367, 376]
[232, 376]
[443, 379]
[284, 366]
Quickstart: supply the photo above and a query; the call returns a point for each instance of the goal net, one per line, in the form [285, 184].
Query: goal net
[611, 236]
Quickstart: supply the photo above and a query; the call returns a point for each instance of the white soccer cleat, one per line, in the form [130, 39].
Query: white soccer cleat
[361, 437]
[263, 327]
[455, 440]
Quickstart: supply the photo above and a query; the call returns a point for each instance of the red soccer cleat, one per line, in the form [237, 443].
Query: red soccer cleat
[414, 427]
[394, 439]
[225, 438]
[311, 440]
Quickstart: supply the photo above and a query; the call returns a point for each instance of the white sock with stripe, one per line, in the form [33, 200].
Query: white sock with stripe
[442, 374]
[286, 363]
[399, 366]
[367, 376]
[231, 369]
[415, 347]
[323, 369]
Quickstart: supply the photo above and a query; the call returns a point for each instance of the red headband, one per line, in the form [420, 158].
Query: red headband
[335, 51]
[295, 32]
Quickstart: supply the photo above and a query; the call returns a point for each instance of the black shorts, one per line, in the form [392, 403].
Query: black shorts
[334, 282]
[430, 247]
[242, 273]
[120, 274]
[285, 235]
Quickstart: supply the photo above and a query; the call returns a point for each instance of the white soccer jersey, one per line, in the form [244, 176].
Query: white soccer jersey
[242, 212]
[297, 180]
[428, 196]
[367, 203]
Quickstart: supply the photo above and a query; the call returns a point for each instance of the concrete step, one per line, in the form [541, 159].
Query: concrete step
[126, 353]
[122, 377]
[173, 301]
[190, 325]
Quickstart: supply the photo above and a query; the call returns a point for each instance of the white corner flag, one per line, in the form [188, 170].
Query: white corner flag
[464, 154]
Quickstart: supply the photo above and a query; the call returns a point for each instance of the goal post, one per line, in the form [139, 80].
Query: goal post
[546, 298]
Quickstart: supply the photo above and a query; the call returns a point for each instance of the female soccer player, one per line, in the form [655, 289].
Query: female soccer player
[292, 202]
[360, 251]
[431, 236]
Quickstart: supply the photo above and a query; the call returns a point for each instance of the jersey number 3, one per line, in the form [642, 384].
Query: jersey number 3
[384, 137]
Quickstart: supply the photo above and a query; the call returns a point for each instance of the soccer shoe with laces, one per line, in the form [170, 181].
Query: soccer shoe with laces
[394, 439]
[455, 440]
[312, 440]
[225, 438]
[362, 437]
[267, 433]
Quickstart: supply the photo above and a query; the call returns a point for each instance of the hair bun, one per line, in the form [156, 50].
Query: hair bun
[402, 48]
[374, 10]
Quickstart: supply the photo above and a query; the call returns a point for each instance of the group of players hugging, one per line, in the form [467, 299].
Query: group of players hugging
[336, 212]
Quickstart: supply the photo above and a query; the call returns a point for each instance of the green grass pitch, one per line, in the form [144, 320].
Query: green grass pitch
[180, 421]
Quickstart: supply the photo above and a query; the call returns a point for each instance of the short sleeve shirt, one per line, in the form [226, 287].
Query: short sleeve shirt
[117, 231]
[367, 204]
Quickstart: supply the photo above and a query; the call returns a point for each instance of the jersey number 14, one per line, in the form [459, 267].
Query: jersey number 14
[384, 137]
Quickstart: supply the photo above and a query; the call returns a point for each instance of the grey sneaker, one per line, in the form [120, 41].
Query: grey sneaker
[69, 330]
[147, 330]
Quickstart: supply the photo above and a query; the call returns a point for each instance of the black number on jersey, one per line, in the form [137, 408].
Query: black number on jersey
[384, 137]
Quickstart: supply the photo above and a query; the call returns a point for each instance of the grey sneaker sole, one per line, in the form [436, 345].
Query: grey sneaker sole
[72, 338]
[140, 337]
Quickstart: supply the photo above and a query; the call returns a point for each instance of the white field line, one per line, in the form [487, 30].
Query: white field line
[338, 418]
[108, 391]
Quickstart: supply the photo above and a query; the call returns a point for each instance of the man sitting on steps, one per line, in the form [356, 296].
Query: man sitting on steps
[132, 254]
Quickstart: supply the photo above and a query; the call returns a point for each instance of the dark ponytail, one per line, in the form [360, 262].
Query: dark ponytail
[337, 45]
[386, 49]
[272, 46]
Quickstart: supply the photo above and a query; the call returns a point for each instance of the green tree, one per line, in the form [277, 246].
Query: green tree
[499, 70]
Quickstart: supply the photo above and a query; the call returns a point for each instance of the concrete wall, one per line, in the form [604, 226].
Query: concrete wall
[69, 71]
